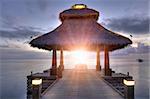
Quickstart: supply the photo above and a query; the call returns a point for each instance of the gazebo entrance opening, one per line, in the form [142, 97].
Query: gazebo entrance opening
[80, 55]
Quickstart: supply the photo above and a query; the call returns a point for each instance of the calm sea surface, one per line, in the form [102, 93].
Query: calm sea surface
[13, 73]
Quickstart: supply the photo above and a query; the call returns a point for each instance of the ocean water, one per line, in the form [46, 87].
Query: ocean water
[13, 73]
[139, 71]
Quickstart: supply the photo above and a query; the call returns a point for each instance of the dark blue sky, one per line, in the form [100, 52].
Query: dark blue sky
[21, 19]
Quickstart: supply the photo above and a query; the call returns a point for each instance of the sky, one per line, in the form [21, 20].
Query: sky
[22, 20]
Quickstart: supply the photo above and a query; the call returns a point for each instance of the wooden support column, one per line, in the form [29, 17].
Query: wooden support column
[98, 66]
[61, 59]
[106, 62]
[54, 63]
[61, 66]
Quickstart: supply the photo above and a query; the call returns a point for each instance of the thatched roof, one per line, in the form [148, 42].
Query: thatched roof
[79, 29]
[79, 13]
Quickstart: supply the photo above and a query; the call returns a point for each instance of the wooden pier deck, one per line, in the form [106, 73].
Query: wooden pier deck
[81, 84]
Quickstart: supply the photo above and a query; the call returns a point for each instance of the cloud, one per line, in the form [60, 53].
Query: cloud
[8, 21]
[43, 4]
[132, 25]
[141, 49]
[35, 5]
[20, 33]
[18, 36]
[4, 46]
[18, 53]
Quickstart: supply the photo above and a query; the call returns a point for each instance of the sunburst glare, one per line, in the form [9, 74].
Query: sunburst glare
[80, 56]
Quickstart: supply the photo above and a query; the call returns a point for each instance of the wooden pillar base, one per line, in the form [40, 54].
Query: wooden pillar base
[98, 67]
[108, 72]
[59, 73]
[62, 67]
[53, 71]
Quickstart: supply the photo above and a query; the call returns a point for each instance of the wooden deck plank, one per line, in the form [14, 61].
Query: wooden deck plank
[81, 84]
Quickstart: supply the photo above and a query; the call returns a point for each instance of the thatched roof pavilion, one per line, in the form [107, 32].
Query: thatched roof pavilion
[79, 29]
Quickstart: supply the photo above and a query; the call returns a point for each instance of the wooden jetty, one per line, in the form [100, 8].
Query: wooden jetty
[79, 83]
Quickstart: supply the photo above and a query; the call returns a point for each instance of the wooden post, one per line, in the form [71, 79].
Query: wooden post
[36, 88]
[98, 66]
[36, 91]
[106, 62]
[54, 63]
[61, 59]
[61, 66]
[129, 88]
[59, 72]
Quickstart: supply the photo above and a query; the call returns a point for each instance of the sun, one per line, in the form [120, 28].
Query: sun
[79, 56]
